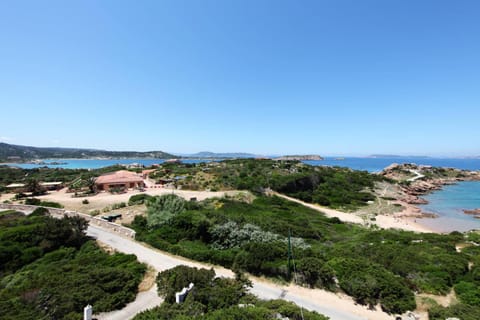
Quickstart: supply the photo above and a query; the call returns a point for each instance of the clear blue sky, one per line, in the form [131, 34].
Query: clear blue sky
[269, 77]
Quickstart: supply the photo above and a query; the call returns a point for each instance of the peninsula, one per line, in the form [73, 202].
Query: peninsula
[17, 153]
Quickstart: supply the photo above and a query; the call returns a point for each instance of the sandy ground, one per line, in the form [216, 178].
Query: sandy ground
[104, 199]
[402, 220]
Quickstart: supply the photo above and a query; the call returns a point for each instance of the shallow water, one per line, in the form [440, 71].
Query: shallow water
[448, 204]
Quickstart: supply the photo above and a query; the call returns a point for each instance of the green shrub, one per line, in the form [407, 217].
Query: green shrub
[161, 209]
[51, 204]
[140, 198]
[32, 201]
[51, 270]
[41, 211]
[119, 205]
[468, 293]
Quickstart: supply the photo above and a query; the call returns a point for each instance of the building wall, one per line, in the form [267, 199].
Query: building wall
[129, 185]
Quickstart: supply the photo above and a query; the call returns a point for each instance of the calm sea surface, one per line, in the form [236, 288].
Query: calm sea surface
[447, 203]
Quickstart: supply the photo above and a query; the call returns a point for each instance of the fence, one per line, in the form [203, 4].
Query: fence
[58, 213]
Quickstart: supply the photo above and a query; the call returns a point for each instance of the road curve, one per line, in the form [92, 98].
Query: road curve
[263, 289]
[144, 301]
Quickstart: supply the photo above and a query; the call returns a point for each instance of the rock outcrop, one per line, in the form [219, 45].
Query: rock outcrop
[474, 211]
[417, 180]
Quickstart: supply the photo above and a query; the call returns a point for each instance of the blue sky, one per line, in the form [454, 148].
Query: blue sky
[269, 77]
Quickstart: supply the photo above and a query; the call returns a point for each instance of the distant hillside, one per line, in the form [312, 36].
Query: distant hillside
[208, 154]
[13, 153]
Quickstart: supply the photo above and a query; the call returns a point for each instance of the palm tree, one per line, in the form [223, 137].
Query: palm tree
[91, 185]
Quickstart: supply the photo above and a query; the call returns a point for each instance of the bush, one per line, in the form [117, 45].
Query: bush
[119, 205]
[468, 293]
[38, 202]
[51, 204]
[32, 201]
[50, 269]
[41, 211]
[161, 209]
[140, 198]
[85, 201]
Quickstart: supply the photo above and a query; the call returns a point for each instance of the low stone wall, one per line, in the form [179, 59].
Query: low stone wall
[58, 213]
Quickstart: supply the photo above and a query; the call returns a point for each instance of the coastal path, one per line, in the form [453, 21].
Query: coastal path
[417, 174]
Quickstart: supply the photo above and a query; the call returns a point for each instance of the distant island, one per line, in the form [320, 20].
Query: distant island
[16, 153]
[214, 155]
[300, 157]
[394, 156]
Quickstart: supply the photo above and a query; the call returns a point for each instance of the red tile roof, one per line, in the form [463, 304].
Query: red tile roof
[121, 176]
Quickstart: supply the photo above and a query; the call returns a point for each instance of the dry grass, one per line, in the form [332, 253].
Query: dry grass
[148, 280]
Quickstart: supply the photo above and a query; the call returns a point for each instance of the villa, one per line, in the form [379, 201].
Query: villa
[122, 179]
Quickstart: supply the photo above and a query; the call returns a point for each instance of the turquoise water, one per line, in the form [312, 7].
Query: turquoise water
[92, 163]
[448, 203]
[368, 164]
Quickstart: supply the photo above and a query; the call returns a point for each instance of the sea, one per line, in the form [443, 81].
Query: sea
[448, 204]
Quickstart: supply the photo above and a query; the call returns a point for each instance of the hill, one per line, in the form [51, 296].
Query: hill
[15, 153]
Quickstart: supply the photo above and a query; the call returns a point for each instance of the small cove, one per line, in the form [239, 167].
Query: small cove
[449, 204]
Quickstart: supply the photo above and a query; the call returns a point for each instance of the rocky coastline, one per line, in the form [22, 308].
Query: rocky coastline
[416, 181]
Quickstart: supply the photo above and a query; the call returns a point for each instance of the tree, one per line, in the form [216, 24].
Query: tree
[162, 209]
[34, 187]
[92, 187]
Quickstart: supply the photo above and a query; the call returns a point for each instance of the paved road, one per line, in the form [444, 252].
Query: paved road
[144, 301]
[263, 289]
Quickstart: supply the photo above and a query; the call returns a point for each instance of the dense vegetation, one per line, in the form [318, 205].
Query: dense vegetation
[7, 151]
[373, 266]
[467, 289]
[335, 187]
[216, 298]
[51, 269]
